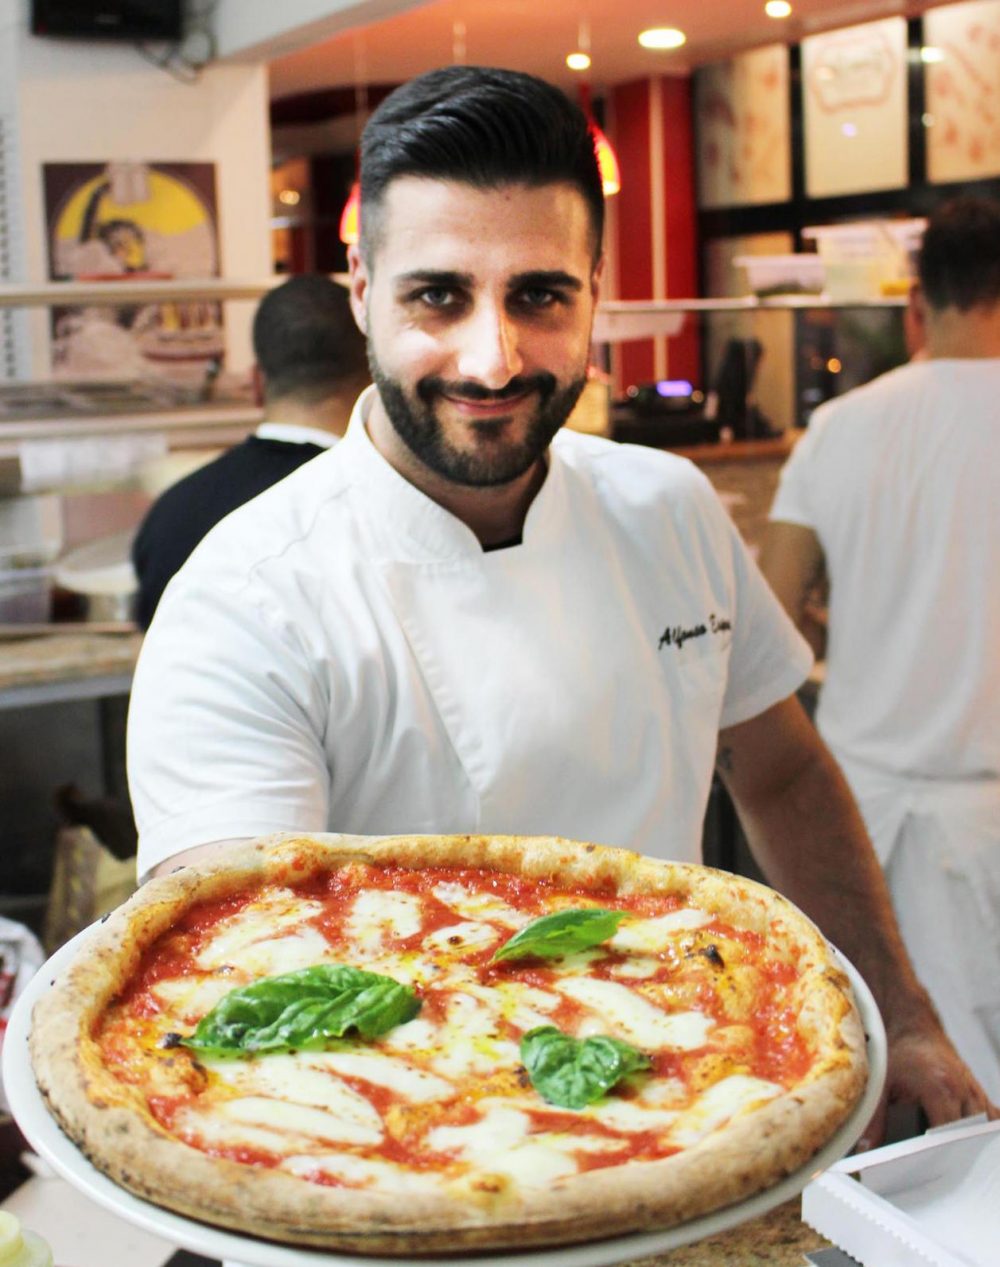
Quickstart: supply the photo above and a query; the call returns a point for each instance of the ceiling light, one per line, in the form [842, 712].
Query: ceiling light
[578, 61]
[290, 197]
[929, 54]
[662, 37]
[778, 9]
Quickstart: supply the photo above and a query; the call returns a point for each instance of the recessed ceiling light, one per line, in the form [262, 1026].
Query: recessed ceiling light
[929, 54]
[290, 197]
[662, 37]
[778, 9]
[578, 61]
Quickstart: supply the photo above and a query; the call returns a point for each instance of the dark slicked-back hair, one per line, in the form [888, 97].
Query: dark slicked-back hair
[959, 260]
[306, 341]
[483, 126]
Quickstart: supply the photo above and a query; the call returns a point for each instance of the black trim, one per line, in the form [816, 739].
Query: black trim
[918, 198]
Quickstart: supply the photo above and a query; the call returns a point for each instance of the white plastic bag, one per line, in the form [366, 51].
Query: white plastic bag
[20, 958]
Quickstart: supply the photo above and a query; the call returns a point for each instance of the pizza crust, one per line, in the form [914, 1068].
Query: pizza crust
[108, 1121]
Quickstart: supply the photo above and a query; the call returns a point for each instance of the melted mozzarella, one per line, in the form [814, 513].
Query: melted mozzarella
[718, 1104]
[627, 1015]
[406, 1080]
[300, 1119]
[467, 1042]
[378, 915]
[190, 998]
[629, 1116]
[650, 935]
[292, 1082]
[262, 921]
[418, 1035]
[636, 967]
[524, 1006]
[457, 939]
[362, 1172]
[663, 1091]
[502, 1142]
[480, 906]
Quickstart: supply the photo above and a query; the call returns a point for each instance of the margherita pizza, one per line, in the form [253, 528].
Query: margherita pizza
[430, 1044]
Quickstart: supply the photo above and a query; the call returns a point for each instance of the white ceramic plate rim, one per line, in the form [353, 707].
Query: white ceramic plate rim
[43, 1133]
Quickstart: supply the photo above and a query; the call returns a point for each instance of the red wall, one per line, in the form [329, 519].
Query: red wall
[635, 219]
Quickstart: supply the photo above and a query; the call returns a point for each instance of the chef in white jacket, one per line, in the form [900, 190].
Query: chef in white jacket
[894, 494]
[464, 619]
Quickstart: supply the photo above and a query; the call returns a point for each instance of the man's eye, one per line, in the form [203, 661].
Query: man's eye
[539, 297]
[436, 297]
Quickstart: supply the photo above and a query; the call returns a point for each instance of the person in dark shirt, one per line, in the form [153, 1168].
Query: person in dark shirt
[310, 368]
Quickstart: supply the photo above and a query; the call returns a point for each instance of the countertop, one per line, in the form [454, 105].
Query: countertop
[66, 657]
[777, 1239]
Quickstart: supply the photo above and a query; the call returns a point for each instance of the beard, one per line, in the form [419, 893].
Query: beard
[493, 461]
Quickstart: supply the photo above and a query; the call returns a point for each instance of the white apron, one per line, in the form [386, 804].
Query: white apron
[939, 844]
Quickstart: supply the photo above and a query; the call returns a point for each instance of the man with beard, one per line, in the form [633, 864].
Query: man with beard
[466, 620]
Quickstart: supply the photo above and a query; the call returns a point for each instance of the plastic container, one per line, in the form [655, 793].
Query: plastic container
[25, 598]
[101, 573]
[783, 274]
[19, 1247]
[868, 259]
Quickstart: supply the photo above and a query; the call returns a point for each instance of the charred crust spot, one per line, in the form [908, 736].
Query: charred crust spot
[454, 940]
[488, 1183]
[709, 952]
[169, 1040]
[523, 1080]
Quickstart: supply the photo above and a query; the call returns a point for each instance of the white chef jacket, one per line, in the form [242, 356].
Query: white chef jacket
[900, 481]
[341, 654]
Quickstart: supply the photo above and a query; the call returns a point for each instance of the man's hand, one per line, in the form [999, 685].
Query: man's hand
[926, 1070]
[808, 836]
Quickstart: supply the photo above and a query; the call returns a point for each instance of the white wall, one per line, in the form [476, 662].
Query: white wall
[87, 101]
[259, 29]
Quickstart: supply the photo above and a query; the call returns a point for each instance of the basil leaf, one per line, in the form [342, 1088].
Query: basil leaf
[303, 1010]
[572, 1072]
[561, 934]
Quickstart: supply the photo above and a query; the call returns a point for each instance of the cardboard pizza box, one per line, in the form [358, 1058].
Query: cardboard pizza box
[925, 1202]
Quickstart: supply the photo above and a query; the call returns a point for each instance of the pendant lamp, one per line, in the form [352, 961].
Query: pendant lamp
[607, 159]
[350, 217]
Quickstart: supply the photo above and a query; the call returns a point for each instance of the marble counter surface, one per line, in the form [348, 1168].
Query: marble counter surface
[777, 1239]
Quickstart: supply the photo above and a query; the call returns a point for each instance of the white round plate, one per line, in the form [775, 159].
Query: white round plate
[43, 1133]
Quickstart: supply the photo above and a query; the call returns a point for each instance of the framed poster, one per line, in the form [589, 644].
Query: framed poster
[743, 129]
[121, 221]
[962, 81]
[854, 109]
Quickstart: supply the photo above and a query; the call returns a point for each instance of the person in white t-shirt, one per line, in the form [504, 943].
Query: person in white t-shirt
[465, 619]
[894, 494]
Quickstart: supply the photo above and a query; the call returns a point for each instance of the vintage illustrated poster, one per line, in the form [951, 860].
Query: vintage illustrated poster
[742, 121]
[962, 77]
[854, 99]
[128, 222]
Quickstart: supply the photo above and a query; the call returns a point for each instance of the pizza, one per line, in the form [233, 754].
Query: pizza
[431, 1044]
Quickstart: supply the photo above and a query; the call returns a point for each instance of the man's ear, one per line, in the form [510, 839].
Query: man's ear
[257, 381]
[358, 286]
[595, 277]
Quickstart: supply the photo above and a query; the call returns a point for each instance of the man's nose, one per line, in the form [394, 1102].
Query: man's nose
[489, 350]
